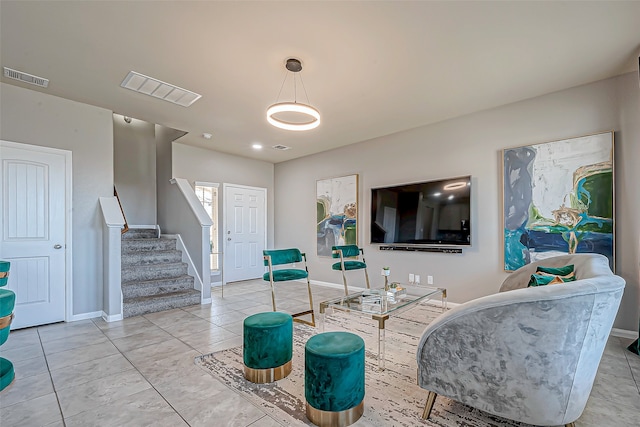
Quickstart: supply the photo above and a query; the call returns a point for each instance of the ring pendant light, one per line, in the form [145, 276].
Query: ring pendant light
[279, 114]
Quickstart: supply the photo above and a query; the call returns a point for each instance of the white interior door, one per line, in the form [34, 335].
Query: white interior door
[245, 232]
[33, 206]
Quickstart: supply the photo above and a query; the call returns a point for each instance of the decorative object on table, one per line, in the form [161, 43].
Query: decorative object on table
[396, 292]
[267, 346]
[385, 273]
[372, 303]
[349, 260]
[558, 198]
[336, 213]
[275, 257]
[7, 304]
[543, 380]
[336, 399]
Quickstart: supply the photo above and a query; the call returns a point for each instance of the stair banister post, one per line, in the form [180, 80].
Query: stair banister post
[111, 248]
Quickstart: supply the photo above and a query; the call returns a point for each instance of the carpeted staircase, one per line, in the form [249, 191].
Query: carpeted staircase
[154, 278]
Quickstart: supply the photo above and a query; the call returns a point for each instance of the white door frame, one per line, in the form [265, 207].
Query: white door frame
[68, 298]
[224, 218]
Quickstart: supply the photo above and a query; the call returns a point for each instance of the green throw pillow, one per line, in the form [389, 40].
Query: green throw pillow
[544, 279]
[559, 271]
[551, 276]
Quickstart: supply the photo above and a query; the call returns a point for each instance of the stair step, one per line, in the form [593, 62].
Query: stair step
[140, 233]
[156, 287]
[137, 245]
[131, 273]
[151, 257]
[154, 303]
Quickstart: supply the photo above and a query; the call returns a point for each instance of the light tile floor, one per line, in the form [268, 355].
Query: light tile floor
[140, 371]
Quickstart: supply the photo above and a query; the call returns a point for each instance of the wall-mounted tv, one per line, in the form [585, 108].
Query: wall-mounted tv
[431, 213]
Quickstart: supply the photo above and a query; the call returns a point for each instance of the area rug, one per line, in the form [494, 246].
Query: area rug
[392, 396]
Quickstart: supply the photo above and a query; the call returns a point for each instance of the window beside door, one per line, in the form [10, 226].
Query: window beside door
[208, 195]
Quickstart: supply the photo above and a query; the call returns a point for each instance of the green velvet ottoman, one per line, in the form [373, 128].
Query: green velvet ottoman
[7, 303]
[268, 346]
[334, 378]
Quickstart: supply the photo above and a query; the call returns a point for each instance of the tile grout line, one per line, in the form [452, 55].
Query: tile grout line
[145, 378]
[636, 380]
[53, 385]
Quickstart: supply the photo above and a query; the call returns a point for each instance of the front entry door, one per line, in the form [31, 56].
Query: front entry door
[33, 206]
[245, 232]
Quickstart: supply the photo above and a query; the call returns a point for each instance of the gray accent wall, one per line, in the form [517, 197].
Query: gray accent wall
[471, 145]
[134, 153]
[35, 118]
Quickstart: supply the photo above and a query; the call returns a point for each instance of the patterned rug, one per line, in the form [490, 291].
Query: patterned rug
[392, 397]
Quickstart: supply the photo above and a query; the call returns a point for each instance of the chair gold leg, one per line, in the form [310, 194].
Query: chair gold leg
[273, 296]
[431, 399]
[313, 317]
[366, 276]
[344, 281]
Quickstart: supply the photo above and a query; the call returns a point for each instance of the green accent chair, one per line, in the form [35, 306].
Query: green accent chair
[7, 304]
[4, 272]
[278, 257]
[349, 260]
[334, 383]
[267, 346]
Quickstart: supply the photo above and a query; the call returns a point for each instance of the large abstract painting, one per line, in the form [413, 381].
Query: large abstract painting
[337, 212]
[558, 199]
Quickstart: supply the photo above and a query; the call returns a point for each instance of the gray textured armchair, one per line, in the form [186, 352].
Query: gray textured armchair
[530, 354]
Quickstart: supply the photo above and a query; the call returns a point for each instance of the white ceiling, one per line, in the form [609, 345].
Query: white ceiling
[371, 68]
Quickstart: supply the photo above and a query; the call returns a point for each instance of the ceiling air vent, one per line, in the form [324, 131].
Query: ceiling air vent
[281, 147]
[159, 89]
[25, 77]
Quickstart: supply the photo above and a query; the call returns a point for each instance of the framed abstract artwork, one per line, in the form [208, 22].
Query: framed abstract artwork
[337, 212]
[558, 198]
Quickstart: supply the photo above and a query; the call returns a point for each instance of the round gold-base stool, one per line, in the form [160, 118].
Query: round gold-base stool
[267, 346]
[334, 379]
[337, 419]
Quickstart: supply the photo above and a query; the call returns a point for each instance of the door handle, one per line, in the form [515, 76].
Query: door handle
[228, 239]
[57, 247]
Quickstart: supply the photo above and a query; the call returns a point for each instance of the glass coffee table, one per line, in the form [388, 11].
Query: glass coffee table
[381, 305]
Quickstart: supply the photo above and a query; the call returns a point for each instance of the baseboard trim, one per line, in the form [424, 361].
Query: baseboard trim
[85, 316]
[624, 333]
[111, 318]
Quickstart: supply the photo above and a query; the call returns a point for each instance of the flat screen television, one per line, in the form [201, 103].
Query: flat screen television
[431, 213]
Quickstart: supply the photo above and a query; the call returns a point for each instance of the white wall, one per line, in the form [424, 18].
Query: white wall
[471, 145]
[32, 117]
[197, 164]
[134, 156]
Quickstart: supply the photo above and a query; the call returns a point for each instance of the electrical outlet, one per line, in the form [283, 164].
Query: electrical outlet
[430, 280]
[417, 279]
[412, 277]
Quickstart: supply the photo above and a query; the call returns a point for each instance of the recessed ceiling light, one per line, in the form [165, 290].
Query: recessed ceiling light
[450, 197]
[256, 146]
[437, 194]
[207, 135]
